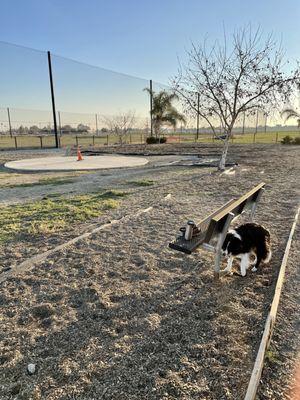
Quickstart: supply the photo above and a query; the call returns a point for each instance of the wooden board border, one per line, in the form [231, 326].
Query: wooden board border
[270, 321]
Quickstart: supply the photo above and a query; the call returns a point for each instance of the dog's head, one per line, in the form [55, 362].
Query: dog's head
[232, 244]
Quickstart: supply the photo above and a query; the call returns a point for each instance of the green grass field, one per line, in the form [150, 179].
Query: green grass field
[26, 142]
[54, 213]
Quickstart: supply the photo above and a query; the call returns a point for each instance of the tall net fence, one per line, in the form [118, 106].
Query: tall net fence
[89, 100]
[96, 106]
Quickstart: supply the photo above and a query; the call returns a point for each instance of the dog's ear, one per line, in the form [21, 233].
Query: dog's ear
[237, 244]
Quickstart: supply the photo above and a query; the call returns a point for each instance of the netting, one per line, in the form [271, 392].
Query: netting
[101, 105]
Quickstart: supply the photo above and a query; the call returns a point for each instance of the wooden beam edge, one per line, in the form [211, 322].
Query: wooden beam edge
[270, 322]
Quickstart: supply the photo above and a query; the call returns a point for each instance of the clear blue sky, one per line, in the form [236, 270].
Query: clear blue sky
[141, 38]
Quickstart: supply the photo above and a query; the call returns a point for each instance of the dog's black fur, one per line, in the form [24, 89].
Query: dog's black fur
[249, 238]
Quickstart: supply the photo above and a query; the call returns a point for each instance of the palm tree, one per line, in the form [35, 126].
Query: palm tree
[290, 113]
[163, 111]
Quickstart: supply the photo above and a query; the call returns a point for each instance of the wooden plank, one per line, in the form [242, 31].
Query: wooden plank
[188, 246]
[213, 224]
[237, 208]
[269, 325]
[203, 224]
[238, 202]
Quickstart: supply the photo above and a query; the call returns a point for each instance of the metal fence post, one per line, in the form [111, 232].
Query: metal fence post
[9, 122]
[266, 117]
[53, 100]
[41, 140]
[198, 110]
[96, 124]
[276, 137]
[106, 140]
[76, 138]
[151, 107]
[59, 123]
[16, 144]
[256, 123]
[244, 117]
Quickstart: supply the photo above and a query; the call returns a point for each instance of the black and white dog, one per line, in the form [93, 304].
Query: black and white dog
[245, 241]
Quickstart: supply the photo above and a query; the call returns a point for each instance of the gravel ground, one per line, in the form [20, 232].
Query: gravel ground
[281, 378]
[121, 316]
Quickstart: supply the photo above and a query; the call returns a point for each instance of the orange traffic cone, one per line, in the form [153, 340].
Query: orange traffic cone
[79, 155]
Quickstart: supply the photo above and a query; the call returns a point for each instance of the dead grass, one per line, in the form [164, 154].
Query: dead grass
[40, 182]
[143, 182]
[121, 316]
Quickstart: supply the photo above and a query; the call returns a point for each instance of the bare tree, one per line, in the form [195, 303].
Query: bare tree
[120, 124]
[247, 75]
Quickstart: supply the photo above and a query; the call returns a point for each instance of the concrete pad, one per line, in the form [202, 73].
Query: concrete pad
[106, 161]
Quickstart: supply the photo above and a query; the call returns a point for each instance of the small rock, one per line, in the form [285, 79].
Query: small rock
[42, 311]
[15, 389]
[31, 369]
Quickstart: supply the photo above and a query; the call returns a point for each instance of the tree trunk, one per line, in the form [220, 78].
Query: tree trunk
[156, 128]
[224, 153]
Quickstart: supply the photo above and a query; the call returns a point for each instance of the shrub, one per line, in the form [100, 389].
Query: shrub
[151, 140]
[287, 140]
[297, 140]
[154, 140]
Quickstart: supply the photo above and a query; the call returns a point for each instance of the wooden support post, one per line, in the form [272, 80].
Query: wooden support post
[218, 248]
[254, 206]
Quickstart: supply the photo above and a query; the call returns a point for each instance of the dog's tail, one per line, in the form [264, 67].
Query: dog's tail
[268, 258]
[266, 232]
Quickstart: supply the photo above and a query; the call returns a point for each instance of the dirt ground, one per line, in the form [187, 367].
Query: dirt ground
[121, 316]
